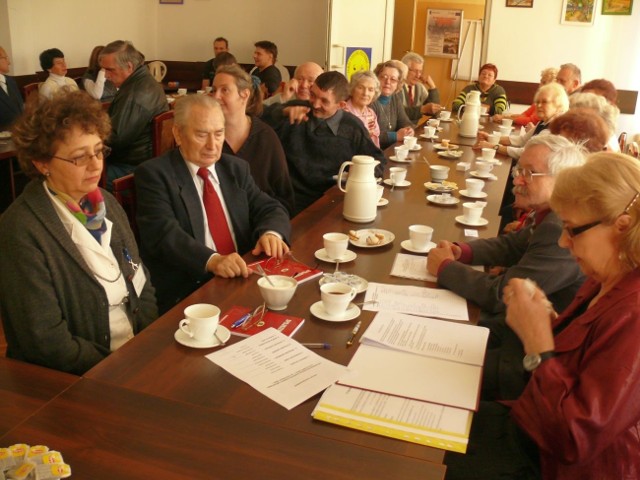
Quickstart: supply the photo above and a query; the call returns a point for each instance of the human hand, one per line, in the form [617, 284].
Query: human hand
[404, 132]
[483, 135]
[529, 126]
[444, 251]
[431, 109]
[296, 114]
[290, 88]
[482, 144]
[428, 81]
[228, 266]
[529, 315]
[271, 245]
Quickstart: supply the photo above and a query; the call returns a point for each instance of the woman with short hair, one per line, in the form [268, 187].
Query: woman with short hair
[72, 285]
[364, 89]
[492, 95]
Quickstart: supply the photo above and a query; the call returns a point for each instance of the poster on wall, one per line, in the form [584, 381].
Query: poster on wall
[444, 29]
[358, 58]
[578, 12]
[617, 7]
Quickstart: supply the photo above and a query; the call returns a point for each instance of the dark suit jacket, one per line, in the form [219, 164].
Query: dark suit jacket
[11, 105]
[171, 221]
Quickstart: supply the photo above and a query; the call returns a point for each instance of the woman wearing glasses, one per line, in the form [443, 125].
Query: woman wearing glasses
[579, 415]
[72, 287]
[392, 119]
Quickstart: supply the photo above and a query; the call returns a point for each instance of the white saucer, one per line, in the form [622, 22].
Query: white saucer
[481, 223]
[465, 193]
[348, 256]
[416, 148]
[484, 114]
[355, 281]
[383, 201]
[317, 310]
[184, 339]
[406, 244]
[439, 146]
[438, 200]
[447, 120]
[404, 183]
[477, 174]
[393, 158]
[450, 154]
[427, 137]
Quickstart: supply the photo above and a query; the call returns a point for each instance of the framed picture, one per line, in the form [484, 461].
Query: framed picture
[444, 28]
[172, 1]
[616, 7]
[578, 12]
[520, 3]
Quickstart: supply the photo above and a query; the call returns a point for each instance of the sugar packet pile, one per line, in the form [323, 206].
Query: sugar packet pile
[23, 462]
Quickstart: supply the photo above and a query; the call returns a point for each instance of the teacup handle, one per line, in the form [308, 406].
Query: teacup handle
[354, 292]
[184, 326]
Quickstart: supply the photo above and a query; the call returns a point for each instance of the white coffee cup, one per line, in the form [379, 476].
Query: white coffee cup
[488, 154]
[200, 322]
[397, 175]
[474, 186]
[504, 130]
[439, 173]
[429, 131]
[401, 152]
[336, 298]
[208, 89]
[445, 115]
[379, 192]
[507, 122]
[433, 122]
[483, 167]
[182, 91]
[200, 92]
[335, 245]
[410, 141]
[278, 295]
[420, 236]
[484, 109]
[472, 211]
[493, 138]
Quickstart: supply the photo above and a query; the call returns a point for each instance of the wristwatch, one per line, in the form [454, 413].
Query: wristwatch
[496, 147]
[533, 360]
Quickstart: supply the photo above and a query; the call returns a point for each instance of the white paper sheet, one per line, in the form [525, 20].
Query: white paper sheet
[278, 367]
[411, 266]
[426, 302]
[428, 337]
[412, 376]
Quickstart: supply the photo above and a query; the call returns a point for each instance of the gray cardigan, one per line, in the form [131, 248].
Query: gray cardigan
[54, 311]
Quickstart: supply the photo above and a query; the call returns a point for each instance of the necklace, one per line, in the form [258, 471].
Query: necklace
[387, 115]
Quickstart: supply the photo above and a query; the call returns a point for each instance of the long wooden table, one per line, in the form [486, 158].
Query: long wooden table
[153, 382]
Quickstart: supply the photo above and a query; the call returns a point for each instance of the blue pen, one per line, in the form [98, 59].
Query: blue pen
[240, 321]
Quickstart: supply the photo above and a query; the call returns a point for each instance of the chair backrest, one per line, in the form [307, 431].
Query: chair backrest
[124, 189]
[163, 133]
[158, 70]
[30, 89]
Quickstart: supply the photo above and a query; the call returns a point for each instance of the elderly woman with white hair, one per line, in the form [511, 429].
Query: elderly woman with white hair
[364, 89]
[392, 119]
[602, 107]
[551, 101]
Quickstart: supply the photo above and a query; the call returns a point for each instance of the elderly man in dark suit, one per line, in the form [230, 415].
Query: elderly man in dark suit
[11, 105]
[199, 210]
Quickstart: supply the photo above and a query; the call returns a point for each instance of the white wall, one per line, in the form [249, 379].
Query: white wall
[298, 28]
[523, 41]
[75, 27]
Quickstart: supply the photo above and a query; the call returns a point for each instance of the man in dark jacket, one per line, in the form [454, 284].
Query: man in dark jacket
[140, 98]
[11, 105]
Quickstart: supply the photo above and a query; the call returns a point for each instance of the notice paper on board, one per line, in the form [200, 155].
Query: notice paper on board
[278, 367]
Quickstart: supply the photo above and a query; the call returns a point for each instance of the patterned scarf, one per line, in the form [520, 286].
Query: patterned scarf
[90, 212]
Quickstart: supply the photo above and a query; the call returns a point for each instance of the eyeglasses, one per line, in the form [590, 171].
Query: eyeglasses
[384, 78]
[527, 174]
[575, 231]
[84, 159]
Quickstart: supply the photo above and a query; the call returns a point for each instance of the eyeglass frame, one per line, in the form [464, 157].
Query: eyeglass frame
[573, 232]
[527, 174]
[101, 154]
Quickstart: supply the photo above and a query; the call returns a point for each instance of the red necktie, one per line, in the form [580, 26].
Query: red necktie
[410, 96]
[215, 216]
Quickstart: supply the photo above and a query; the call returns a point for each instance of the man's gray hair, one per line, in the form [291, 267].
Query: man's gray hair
[125, 53]
[184, 105]
[599, 104]
[575, 71]
[563, 152]
[412, 57]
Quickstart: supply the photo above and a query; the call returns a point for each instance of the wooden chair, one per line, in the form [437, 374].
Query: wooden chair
[30, 89]
[124, 189]
[162, 133]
